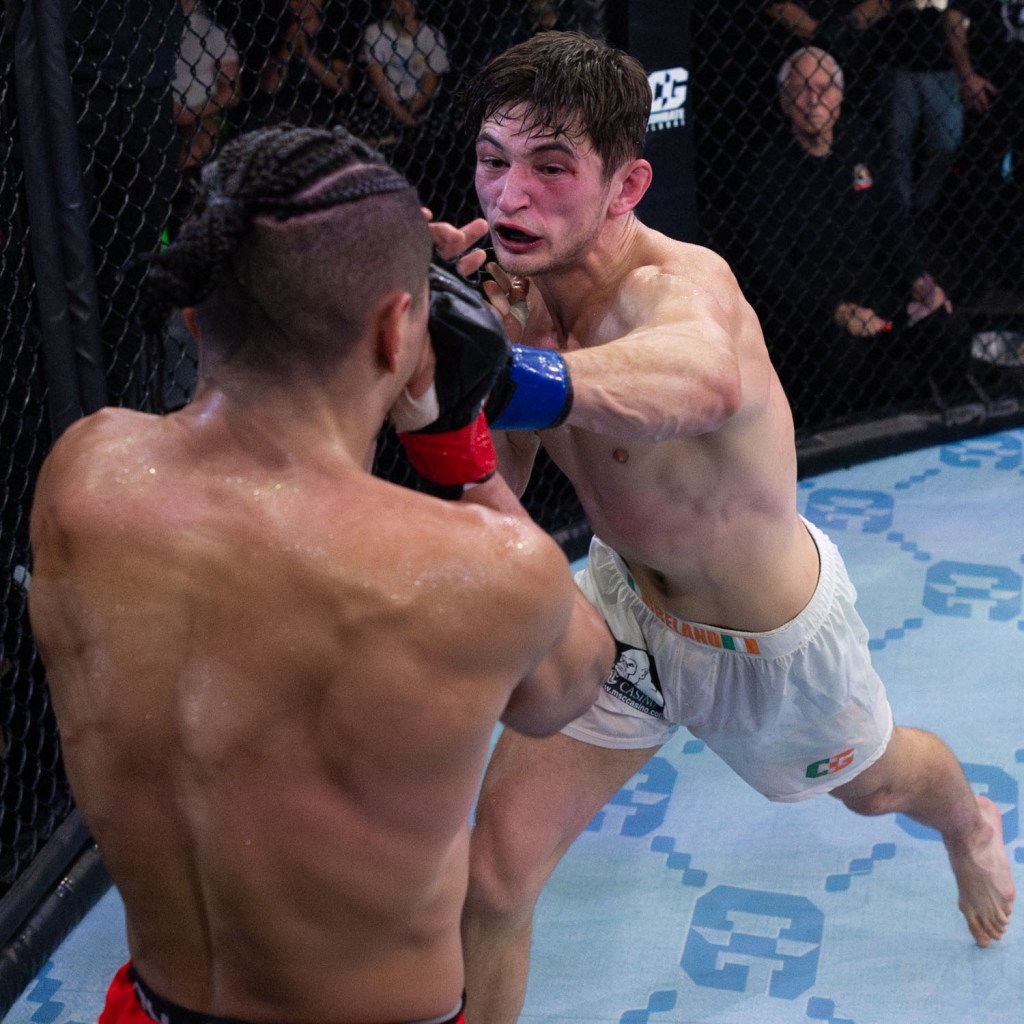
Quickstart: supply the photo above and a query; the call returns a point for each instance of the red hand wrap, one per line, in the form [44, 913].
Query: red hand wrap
[464, 456]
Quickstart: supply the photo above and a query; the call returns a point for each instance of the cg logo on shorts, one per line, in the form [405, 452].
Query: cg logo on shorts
[830, 765]
[668, 105]
[634, 681]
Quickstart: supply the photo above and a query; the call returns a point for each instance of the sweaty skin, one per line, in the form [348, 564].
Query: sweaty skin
[680, 445]
[277, 679]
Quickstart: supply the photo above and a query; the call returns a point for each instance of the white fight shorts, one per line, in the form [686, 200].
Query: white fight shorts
[794, 712]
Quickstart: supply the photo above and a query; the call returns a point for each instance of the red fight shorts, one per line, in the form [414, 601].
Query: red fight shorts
[131, 1001]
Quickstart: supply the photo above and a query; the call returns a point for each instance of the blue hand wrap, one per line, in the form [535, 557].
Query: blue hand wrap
[533, 393]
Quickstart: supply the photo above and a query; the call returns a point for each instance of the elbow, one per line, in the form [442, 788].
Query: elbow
[730, 397]
[232, 95]
[566, 685]
[720, 400]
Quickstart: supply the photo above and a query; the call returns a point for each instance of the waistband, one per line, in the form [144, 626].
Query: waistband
[163, 1011]
[775, 643]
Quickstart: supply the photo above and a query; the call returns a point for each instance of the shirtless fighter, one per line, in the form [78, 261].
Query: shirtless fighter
[679, 442]
[276, 676]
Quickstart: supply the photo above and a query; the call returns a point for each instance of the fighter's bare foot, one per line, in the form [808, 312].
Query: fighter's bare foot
[984, 877]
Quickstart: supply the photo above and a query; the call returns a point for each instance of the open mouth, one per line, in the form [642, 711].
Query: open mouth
[515, 236]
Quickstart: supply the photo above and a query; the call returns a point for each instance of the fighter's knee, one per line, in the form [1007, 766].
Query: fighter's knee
[505, 874]
[882, 800]
[508, 862]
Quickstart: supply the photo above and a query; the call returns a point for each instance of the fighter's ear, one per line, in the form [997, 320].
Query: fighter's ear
[188, 314]
[632, 180]
[390, 329]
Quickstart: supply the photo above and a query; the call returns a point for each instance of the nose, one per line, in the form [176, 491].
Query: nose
[514, 194]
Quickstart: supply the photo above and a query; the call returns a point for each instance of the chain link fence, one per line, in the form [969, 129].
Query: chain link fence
[109, 110]
[923, 183]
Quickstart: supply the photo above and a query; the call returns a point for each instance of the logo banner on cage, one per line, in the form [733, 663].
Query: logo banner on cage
[659, 37]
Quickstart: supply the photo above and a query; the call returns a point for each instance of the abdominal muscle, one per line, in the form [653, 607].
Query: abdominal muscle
[713, 544]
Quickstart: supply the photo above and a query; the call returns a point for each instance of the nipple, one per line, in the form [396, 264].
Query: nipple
[620, 455]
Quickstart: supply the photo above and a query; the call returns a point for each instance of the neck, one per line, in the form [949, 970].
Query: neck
[334, 426]
[581, 288]
[818, 144]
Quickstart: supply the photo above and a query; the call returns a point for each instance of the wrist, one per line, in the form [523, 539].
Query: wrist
[454, 457]
[533, 393]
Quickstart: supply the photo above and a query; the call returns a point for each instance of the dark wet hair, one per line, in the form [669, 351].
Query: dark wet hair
[293, 227]
[569, 84]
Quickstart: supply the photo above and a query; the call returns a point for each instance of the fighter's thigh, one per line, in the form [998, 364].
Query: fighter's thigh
[538, 795]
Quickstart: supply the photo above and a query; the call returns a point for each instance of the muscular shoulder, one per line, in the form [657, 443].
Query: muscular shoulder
[511, 555]
[498, 570]
[90, 455]
[681, 281]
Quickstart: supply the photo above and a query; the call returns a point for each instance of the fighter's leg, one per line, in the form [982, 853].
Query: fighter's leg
[904, 118]
[918, 775]
[538, 795]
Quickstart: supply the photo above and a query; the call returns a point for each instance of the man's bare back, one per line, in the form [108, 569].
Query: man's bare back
[309, 716]
[277, 677]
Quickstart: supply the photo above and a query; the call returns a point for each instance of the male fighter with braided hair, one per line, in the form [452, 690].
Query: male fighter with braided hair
[679, 442]
[276, 676]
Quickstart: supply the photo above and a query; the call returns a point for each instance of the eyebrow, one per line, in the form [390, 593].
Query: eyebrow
[552, 145]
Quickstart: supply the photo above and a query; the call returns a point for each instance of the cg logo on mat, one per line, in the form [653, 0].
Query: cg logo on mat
[668, 105]
[833, 508]
[1001, 451]
[738, 935]
[641, 804]
[959, 588]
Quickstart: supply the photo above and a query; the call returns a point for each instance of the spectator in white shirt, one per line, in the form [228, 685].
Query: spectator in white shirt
[404, 59]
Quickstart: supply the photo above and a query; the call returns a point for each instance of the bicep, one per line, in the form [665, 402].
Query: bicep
[675, 368]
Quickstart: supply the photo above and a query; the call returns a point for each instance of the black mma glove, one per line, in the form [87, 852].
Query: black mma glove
[444, 432]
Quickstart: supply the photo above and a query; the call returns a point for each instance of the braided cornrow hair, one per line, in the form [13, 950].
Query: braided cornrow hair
[261, 173]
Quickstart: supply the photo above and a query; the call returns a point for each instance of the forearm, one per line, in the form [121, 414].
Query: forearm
[227, 97]
[639, 390]
[377, 78]
[956, 37]
[568, 679]
[425, 93]
[868, 12]
[516, 455]
[795, 18]
[323, 72]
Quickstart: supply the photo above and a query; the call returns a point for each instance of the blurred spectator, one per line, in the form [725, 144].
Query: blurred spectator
[825, 21]
[122, 58]
[207, 83]
[404, 59]
[925, 104]
[844, 29]
[304, 81]
[523, 21]
[852, 318]
[990, 60]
